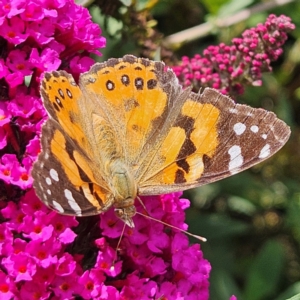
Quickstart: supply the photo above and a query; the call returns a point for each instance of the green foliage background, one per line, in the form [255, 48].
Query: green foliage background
[251, 220]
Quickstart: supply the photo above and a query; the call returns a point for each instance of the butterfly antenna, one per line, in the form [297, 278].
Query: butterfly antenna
[142, 203]
[119, 242]
[198, 237]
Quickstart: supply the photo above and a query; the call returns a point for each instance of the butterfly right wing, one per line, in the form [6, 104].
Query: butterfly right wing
[211, 139]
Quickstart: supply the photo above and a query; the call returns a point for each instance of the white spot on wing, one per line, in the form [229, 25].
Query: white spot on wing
[57, 206]
[41, 186]
[265, 151]
[239, 128]
[72, 202]
[45, 198]
[233, 110]
[48, 181]
[48, 192]
[54, 175]
[236, 158]
[254, 128]
[264, 136]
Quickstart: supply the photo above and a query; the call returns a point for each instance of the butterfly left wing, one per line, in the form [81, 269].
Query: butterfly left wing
[67, 176]
[212, 138]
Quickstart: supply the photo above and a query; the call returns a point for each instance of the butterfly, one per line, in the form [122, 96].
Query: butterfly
[128, 129]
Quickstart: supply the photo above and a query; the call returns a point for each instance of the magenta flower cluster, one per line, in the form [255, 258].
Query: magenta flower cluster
[229, 67]
[39, 259]
[36, 36]
[44, 255]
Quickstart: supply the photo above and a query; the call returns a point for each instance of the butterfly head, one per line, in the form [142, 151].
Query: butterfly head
[126, 214]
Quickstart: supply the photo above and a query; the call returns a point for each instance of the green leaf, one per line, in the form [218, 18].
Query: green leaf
[265, 272]
[291, 293]
[296, 297]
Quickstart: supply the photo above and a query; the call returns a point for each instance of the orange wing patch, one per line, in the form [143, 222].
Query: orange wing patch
[78, 171]
[61, 96]
[194, 135]
[130, 94]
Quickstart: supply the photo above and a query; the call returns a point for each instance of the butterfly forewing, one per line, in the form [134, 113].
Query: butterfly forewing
[131, 97]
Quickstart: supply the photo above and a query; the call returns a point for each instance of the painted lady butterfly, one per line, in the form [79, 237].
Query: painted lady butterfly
[129, 129]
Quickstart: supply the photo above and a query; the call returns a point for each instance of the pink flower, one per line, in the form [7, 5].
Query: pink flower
[79, 64]
[31, 205]
[33, 148]
[20, 174]
[50, 255]
[138, 288]
[43, 253]
[35, 228]
[169, 291]
[13, 30]
[17, 62]
[34, 290]
[105, 259]
[23, 105]
[44, 275]
[32, 12]
[42, 32]
[66, 265]
[14, 216]
[92, 282]
[47, 60]
[21, 266]
[66, 287]
[6, 240]
[10, 8]
[8, 161]
[7, 287]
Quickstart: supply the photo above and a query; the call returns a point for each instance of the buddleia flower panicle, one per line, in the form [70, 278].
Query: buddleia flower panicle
[228, 68]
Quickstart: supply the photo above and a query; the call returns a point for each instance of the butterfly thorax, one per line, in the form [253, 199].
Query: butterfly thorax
[124, 190]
